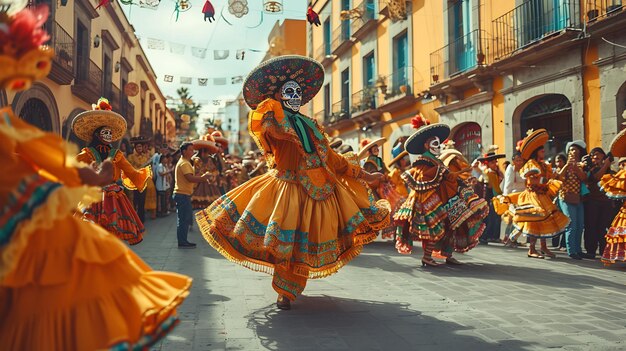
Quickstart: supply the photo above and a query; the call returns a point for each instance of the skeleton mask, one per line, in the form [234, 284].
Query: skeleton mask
[105, 135]
[291, 94]
[434, 146]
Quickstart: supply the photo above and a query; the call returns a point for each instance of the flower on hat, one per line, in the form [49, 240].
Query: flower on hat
[217, 134]
[102, 105]
[23, 31]
[518, 146]
[419, 121]
[365, 142]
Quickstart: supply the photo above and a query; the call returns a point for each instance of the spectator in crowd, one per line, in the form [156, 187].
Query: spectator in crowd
[599, 209]
[185, 179]
[513, 183]
[492, 177]
[162, 186]
[559, 162]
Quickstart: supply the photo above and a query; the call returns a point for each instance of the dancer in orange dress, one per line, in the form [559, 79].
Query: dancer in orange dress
[311, 213]
[100, 128]
[614, 185]
[441, 210]
[533, 211]
[206, 192]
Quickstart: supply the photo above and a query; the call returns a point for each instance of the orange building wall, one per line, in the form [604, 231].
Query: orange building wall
[497, 112]
[591, 96]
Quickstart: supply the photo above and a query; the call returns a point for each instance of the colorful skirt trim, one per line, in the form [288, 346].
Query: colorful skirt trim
[116, 214]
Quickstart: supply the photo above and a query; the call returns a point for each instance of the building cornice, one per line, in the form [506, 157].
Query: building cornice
[543, 80]
[485, 96]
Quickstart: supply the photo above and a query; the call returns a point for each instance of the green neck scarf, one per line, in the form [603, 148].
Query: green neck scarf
[299, 123]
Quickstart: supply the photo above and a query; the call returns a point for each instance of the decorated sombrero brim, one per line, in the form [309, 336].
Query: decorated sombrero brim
[490, 156]
[447, 155]
[206, 142]
[268, 77]
[533, 141]
[335, 142]
[371, 144]
[618, 144]
[402, 155]
[85, 123]
[415, 143]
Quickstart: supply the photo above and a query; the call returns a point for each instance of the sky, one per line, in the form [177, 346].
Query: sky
[227, 32]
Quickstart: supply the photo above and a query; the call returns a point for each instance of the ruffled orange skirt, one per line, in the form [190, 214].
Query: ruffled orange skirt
[269, 222]
[549, 221]
[75, 286]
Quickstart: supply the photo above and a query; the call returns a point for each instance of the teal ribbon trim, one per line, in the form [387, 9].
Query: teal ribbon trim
[299, 124]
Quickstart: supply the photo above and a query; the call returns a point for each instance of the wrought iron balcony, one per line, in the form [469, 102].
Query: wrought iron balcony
[323, 54]
[399, 83]
[62, 71]
[598, 9]
[362, 25]
[340, 111]
[88, 82]
[461, 55]
[531, 22]
[341, 38]
[364, 100]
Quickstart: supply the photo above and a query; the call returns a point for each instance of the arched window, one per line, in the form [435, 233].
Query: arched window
[35, 112]
[468, 140]
[554, 113]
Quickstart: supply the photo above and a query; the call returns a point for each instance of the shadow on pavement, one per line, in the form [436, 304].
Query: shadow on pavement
[330, 323]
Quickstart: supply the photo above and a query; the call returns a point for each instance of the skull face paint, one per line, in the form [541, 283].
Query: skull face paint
[434, 146]
[291, 95]
[106, 135]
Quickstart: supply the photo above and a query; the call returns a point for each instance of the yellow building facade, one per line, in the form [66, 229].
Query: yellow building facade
[491, 69]
[96, 55]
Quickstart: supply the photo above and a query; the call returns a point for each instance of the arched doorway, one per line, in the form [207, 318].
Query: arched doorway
[620, 99]
[35, 112]
[468, 139]
[554, 113]
[68, 133]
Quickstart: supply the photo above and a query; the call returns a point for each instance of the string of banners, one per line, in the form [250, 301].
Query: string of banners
[203, 82]
[180, 49]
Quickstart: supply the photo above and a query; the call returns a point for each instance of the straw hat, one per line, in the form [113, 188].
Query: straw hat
[85, 123]
[533, 141]
[447, 155]
[268, 77]
[335, 142]
[490, 156]
[206, 142]
[402, 155]
[219, 138]
[618, 144]
[366, 144]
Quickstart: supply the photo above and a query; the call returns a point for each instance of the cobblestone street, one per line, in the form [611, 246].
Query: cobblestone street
[498, 300]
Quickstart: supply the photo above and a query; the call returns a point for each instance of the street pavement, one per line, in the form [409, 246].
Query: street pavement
[498, 300]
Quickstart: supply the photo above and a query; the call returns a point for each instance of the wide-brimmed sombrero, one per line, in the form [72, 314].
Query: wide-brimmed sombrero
[618, 144]
[367, 144]
[490, 156]
[206, 142]
[335, 142]
[415, 143]
[85, 123]
[402, 155]
[268, 77]
[533, 141]
[219, 138]
[447, 155]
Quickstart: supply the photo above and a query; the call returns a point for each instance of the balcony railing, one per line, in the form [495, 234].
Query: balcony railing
[400, 82]
[341, 35]
[530, 22]
[340, 111]
[364, 100]
[88, 83]
[368, 13]
[463, 54]
[63, 61]
[602, 8]
[322, 52]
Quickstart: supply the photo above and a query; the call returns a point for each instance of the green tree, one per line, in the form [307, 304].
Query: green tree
[186, 107]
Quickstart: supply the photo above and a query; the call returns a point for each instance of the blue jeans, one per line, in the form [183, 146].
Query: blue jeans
[184, 216]
[574, 231]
